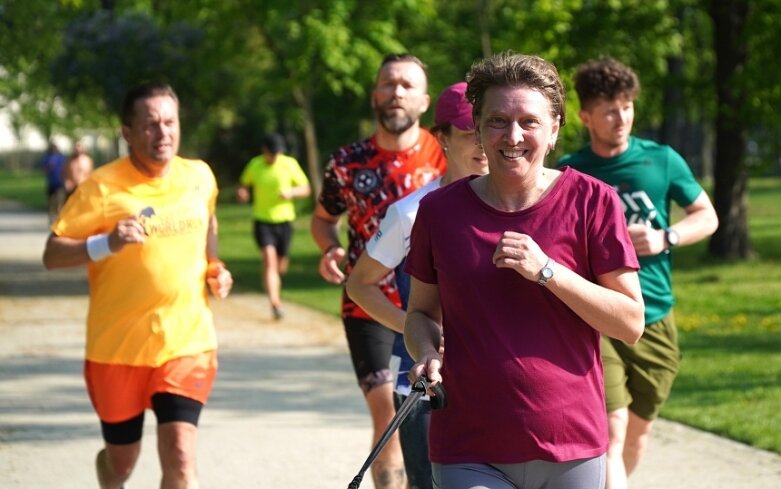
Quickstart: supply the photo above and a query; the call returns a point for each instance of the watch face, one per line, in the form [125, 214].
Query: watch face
[672, 237]
[547, 273]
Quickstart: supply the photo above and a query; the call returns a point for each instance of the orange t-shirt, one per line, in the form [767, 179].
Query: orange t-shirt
[148, 302]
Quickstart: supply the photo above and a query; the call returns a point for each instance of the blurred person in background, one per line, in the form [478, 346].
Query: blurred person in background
[53, 163]
[77, 169]
[272, 180]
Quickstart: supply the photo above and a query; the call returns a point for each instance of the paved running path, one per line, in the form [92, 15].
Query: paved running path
[285, 412]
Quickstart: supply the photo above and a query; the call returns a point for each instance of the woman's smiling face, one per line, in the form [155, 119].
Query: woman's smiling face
[516, 128]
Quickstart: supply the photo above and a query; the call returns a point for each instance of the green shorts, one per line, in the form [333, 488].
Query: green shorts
[640, 376]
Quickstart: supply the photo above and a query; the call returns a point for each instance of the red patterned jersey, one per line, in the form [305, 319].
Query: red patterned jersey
[363, 180]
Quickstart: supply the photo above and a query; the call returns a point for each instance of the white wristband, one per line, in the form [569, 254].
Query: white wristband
[98, 248]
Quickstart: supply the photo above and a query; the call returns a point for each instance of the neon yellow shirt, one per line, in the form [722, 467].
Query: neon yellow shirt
[267, 181]
[148, 302]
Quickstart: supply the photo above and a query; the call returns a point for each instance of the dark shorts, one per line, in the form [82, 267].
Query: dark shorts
[371, 345]
[277, 235]
[52, 189]
[641, 376]
[413, 434]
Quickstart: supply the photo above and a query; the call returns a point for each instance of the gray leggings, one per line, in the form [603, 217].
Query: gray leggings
[577, 474]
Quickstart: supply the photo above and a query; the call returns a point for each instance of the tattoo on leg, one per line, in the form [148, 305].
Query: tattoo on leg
[390, 478]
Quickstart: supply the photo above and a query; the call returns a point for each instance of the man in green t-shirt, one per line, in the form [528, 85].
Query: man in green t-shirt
[647, 176]
[275, 179]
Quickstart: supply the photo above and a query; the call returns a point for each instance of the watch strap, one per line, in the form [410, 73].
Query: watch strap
[546, 273]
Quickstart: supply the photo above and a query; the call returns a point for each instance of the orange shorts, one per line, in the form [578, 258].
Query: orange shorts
[122, 392]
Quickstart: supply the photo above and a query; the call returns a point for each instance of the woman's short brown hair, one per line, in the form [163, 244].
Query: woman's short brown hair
[509, 69]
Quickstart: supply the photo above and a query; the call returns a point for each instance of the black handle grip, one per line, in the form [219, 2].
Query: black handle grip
[439, 399]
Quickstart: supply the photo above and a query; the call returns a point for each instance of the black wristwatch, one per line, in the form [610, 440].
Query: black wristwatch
[672, 237]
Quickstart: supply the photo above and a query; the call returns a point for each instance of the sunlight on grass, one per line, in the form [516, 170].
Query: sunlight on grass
[729, 318]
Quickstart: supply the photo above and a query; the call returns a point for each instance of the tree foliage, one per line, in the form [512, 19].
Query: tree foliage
[305, 68]
[30, 38]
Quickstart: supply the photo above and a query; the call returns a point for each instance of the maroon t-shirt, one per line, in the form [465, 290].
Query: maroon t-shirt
[522, 371]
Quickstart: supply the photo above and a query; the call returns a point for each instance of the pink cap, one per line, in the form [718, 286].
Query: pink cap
[453, 107]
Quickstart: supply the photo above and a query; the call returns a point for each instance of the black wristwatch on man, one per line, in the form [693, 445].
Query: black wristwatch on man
[672, 238]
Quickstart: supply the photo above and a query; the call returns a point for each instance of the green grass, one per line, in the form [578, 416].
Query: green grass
[24, 187]
[729, 318]
[729, 314]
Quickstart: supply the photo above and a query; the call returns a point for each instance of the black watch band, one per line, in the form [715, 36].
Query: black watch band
[671, 237]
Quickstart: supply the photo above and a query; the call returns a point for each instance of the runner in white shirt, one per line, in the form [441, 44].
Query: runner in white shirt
[389, 246]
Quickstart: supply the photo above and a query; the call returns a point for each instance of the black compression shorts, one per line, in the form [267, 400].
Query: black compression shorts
[166, 406]
[371, 345]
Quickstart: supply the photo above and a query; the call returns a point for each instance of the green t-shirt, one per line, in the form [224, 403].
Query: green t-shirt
[647, 177]
[267, 182]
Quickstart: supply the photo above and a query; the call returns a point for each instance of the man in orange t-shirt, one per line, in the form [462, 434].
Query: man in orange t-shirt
[144, 225]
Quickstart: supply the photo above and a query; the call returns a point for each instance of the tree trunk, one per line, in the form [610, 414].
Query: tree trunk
[483, 16]
[304, 101]
[673, 127]
[731, 240]
[707, 151]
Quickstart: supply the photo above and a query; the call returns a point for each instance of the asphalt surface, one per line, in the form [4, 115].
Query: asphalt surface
[285, 411]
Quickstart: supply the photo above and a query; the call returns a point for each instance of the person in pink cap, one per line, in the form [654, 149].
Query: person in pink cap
[385, 252]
